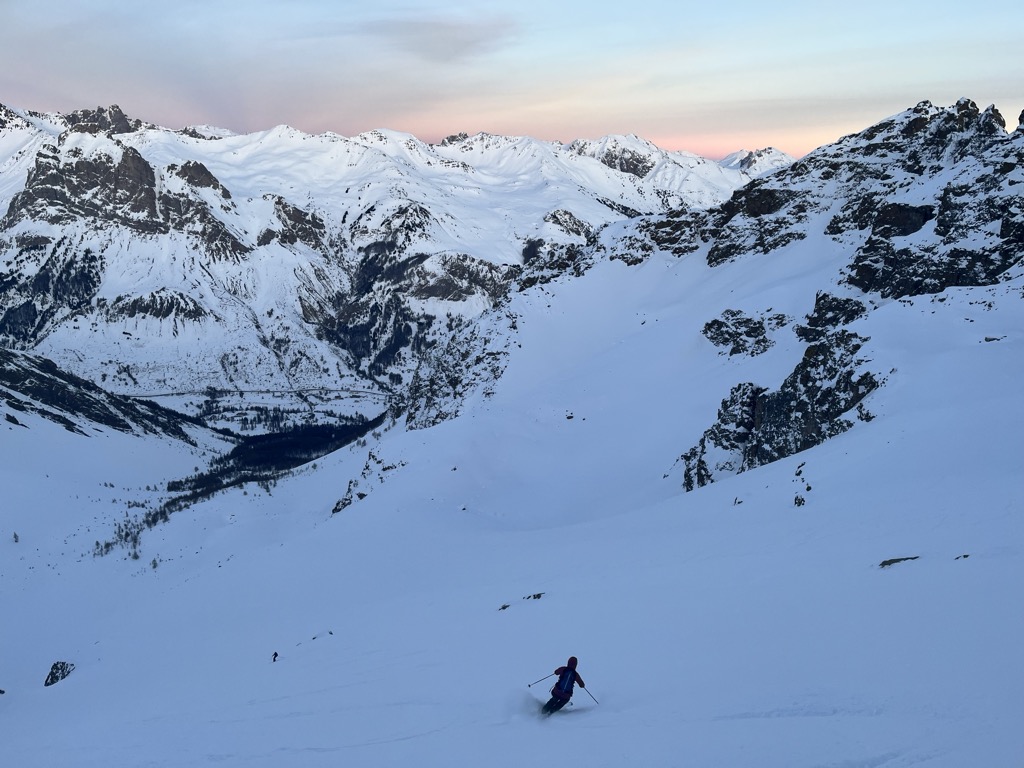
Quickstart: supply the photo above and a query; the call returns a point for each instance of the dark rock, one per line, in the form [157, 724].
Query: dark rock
[756, 426]
[679, 233]
[19, 323]
[161, 304]
[727, 438]
[830, 312]
[65, 283]
[741, 334]
[198, 175]
[628, 161]
[297, 226]
[98, 187]
[110, 120]
[878, 267]
[899, 220]
[810, 405]
[59, 671]
[893, 561]
[756, 219]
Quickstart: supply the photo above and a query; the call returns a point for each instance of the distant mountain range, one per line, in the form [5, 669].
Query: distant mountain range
[277, 278]
[279, 275]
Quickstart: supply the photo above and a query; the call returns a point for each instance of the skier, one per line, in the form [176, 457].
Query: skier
[561, 691]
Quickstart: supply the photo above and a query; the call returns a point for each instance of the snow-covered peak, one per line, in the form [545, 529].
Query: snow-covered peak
[207, 131]
[757, 162]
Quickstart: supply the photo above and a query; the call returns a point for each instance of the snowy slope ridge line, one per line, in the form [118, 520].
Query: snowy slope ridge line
[541, 451]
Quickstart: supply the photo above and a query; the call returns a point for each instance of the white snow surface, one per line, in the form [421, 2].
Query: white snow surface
[721, 627]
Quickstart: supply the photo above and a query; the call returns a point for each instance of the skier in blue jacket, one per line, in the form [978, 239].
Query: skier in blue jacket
[561, 691]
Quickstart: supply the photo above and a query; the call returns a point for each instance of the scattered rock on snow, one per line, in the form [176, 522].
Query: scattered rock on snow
[58, 672]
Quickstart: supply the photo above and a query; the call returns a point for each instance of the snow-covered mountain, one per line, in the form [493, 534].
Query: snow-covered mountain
[278, 270]
[757, 464]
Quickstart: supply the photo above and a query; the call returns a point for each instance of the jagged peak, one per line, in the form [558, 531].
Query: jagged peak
[111, 120]
[925, 133]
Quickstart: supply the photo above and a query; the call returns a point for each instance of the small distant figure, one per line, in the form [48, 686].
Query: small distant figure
[275, 656]
[561, 691]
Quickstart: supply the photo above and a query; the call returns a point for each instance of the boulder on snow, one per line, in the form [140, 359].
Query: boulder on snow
[58, 672]
[894, 560]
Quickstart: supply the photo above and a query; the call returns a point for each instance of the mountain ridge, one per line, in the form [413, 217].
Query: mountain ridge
[311, 257]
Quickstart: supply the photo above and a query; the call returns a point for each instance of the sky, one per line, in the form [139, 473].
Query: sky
[688, 76]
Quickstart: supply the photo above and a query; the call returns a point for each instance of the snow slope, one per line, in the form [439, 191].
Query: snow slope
[722, 627]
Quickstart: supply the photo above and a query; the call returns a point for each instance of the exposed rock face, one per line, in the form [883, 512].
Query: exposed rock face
[198, 175]
[628, 161]
[59, 671]
[829, 313]
[64, 285]
[474, 357]
[65, 184]
[925, 200]
[743, 335]
[618, 157]
[110, 120]
[756, 426]
[759, 218]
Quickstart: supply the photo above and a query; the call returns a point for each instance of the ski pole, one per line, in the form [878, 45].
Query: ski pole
[540, 681]
[591, 695]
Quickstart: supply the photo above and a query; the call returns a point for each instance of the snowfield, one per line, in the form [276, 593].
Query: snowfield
[727, 626]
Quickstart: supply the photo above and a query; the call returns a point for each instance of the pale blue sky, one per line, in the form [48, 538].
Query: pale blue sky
[709, 77]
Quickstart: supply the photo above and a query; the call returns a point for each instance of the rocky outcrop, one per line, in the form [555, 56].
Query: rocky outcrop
[926, 200]
[759, 218]
[617, 156]
[64, 285]
[118, 186]
[739, 334]
[162, 304]
[199, 176]
[58, 671]
[471, 360]
[756, 426]
[109, 120]
[829, 313]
